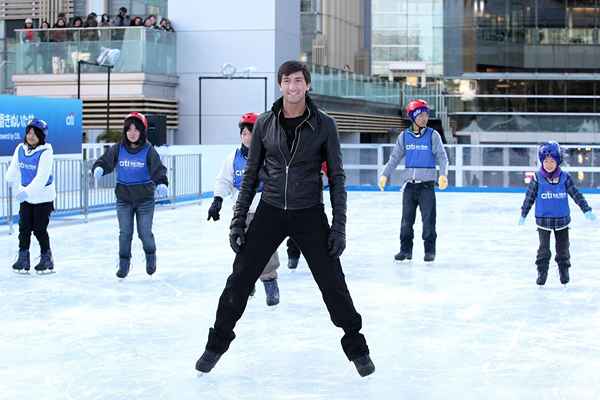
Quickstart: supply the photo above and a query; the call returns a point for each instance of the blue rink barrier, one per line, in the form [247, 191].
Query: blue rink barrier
[453, 189]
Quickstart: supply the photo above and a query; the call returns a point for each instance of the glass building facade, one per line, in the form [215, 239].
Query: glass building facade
[523, 67]
[407, 31]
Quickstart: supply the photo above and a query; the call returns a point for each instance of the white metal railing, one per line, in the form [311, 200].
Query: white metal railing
[476, 165]
[487, 165]
[78, 193]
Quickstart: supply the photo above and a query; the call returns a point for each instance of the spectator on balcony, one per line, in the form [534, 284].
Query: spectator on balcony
[58, 50]
[122, 19]
[74, 34]
[28, 26]
[150, 22]
[45, 47]
[165, 25]
[105, 23]
[61, 35]
[105, 20]
[28, 51]
[91, 22]
[77, 22]
[91, 35]
[137, 21]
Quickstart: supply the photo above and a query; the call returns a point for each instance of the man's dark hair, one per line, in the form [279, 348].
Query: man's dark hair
[290, 67]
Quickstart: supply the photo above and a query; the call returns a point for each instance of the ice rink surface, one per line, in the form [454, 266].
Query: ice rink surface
[471, 325]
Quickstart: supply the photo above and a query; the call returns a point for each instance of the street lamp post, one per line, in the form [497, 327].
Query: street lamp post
[108, 69]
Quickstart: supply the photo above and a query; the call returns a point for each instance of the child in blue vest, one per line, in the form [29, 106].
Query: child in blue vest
[30, 174]
[229, 182]
[421, 148]
[549, 190]
[140, 173]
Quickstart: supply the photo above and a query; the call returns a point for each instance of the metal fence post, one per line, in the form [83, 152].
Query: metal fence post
[200, 178]
[10, 211]
[380, 162]
[85, 189]
[174, 185]
[458, 164]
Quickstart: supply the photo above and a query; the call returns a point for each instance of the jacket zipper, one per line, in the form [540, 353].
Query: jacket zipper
[295, 147]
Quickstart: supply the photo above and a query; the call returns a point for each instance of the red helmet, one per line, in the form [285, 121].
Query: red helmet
[139, 116]
[416, 107]
[248, 119]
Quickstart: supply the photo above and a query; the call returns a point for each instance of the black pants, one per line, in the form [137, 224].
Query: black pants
[423, 196]
[309, 229]
[292, 249]
[34, 218]
[562, 258]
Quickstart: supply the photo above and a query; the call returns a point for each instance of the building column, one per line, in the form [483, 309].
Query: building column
[98, 6]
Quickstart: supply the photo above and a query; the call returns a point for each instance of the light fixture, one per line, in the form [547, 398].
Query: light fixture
[228, 70]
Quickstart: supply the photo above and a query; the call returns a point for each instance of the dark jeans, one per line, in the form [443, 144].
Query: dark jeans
[292, 249]
[144, 214]
[423, 196]
[34, 218]
[563, 257]
[309, 229]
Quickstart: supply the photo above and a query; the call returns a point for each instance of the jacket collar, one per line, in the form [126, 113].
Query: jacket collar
[277, 107]
[311, 121]
[37, 148]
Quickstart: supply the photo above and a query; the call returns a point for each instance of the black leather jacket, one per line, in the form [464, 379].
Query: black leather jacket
[293, 181]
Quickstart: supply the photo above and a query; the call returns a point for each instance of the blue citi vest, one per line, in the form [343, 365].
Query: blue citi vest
[132, 169]
[239, 167]
[418, 150]
[28, 165]
[552, 200]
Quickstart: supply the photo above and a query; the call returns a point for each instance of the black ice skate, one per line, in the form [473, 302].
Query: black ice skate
[403, 255]
[563, 272]
[22, 265]
[293, 263]
[123, 268]
[429, 257]
[542, 276]
[272, 292]
[364, 365]
[150, 263]
[46, 264]
[207, 361]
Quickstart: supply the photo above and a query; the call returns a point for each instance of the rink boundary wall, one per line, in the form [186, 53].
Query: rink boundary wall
[454, 189]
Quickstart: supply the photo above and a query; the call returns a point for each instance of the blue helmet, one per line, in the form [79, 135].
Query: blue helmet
[550, 149]
[39, 124]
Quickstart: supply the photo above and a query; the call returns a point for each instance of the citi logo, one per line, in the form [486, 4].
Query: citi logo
[239, 172]
[420, 147]
[131, 164]
[553, 196]
[70, 119]
[22, 165]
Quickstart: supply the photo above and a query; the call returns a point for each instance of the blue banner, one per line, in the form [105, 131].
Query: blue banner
[62, 115]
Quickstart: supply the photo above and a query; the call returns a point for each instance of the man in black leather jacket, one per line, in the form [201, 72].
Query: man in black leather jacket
[288, 146]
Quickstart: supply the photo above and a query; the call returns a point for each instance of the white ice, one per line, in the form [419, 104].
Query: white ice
[471, 325]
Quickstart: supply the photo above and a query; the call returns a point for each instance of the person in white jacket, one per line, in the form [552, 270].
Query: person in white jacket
[228, 183]
[30, 174]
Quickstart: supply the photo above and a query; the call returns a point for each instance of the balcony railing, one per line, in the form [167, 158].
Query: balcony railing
[540, 36]
[128, 49]
[334, 82]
